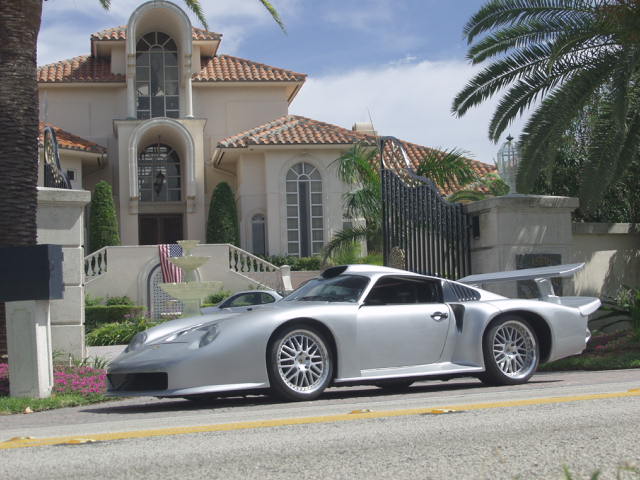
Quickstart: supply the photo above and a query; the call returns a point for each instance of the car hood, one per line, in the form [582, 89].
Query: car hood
[274, 311]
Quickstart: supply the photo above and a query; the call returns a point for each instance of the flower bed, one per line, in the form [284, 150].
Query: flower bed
[84, 380]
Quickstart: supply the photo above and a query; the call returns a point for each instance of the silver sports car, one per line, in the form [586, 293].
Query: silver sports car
[360, 324]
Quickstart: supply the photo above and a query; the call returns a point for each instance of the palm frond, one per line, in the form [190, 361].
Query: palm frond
[522, 35]
[196, 8]
[344, 240]
[497, 13]
[552, 118]
[613, 150]
[462, 196]
[448, 168]
[497, 76]
[274, 14]
[106, 4]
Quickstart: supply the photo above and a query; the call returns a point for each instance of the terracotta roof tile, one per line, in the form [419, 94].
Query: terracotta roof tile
[294, 130]
[69, 141]
[79, 69]
[223, 68]
[228, 68]
[120, 33]
[297, 130]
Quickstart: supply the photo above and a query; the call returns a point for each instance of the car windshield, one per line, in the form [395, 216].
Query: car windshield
[343, 288]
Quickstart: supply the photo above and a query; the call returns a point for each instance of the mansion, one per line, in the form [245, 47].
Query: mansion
[155, 110]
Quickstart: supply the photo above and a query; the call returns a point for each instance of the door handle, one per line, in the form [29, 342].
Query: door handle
[437, 316]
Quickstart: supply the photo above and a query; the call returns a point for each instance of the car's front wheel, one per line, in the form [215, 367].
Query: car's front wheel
[511, 352]
[300, 363]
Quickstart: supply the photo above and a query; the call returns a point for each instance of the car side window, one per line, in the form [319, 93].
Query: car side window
[266, 298]
[395, 290]
[242, 300]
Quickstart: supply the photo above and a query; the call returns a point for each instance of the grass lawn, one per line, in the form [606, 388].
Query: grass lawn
[10, 405]
[604, 352]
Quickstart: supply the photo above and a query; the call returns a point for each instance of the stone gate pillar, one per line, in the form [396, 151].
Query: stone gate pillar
[521, 231]
[60, 221]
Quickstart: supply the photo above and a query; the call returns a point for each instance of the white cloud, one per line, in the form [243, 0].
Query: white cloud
[410, 101]
[68, 24]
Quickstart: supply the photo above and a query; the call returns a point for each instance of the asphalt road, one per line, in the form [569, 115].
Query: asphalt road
[585, 421]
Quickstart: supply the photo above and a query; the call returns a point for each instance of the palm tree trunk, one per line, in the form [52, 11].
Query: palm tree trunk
[19, 27]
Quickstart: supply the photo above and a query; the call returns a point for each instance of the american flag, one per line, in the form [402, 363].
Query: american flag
[170, 272]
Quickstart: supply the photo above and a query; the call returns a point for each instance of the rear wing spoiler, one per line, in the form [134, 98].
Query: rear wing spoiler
[542, 277]
[555, 271]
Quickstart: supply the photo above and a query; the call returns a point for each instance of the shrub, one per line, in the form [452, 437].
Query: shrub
[99, 315]
[118, 333]
[90, 301]
[217, 297]
[124, 300]
[103, 226]
[222, 225]
[296, 263]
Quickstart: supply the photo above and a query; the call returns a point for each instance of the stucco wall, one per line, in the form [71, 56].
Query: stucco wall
[612, 254]
[86, 111]
[230, 110]
[541, 225]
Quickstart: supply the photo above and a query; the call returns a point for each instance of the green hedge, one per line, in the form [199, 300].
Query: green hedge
[296, 263]
[98, 315]
[118, 333]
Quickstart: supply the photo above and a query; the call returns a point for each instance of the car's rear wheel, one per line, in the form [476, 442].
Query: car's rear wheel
[511, 352]
[300, 363]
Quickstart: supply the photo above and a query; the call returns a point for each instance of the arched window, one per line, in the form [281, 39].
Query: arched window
[159, 177]
[157, 76]
[258, 234]
[305, 235]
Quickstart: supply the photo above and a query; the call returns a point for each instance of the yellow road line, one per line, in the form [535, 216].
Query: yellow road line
[21, 442]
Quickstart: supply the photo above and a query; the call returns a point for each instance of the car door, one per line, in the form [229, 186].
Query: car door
[402, 322]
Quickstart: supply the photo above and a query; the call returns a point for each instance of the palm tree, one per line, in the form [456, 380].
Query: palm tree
[358, 167]
[558, 55]
[491, 185]
[19, 27]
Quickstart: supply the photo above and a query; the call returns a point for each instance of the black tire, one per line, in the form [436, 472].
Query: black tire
[395, 386]
[310, 363]
[511, 352]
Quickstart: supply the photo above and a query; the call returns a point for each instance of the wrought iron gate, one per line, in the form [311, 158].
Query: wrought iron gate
[423, 232]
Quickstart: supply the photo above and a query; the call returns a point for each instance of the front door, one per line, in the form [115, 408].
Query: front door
[157, 229]
[402, 323]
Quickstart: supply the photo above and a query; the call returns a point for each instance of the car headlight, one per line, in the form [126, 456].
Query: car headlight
[210, 334]
[176, 335]
[136, 342]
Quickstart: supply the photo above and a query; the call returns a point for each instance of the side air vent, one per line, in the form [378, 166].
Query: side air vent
[464, 294]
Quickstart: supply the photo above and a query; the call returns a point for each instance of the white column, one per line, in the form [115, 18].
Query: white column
[131, 87]
[188, 90]
[29, 348]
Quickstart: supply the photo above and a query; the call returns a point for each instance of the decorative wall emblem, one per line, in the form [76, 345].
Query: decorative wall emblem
[54, 176]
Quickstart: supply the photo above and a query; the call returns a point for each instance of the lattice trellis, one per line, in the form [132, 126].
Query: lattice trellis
[161, 304]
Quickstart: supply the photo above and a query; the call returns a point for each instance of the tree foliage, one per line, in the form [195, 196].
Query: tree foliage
[621, 199]
[557, 55]
[103, 225]
[222, 225]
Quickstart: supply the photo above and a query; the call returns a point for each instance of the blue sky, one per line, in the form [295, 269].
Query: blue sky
[398, 62]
